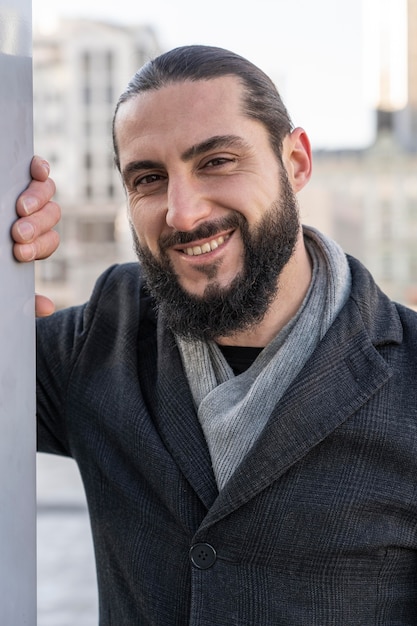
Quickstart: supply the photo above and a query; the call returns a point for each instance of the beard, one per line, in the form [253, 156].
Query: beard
[241, 305]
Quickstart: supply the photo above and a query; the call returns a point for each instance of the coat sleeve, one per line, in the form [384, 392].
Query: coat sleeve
[60, 339]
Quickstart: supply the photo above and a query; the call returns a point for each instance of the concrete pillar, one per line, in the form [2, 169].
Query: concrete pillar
[17, 343]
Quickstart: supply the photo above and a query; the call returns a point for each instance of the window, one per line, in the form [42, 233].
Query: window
[95, 231]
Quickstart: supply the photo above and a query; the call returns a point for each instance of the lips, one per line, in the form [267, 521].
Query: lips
[206, 247]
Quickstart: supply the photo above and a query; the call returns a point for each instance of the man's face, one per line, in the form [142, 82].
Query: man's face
[212, 211]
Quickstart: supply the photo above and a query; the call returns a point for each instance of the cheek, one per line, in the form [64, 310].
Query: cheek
[147, 224]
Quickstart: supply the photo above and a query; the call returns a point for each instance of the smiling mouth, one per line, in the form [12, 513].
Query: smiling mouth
[209, 246]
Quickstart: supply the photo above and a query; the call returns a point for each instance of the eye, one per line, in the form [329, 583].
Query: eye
[217, 162]
[148, 179]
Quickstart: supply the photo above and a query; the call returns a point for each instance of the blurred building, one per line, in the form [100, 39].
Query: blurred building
[405, 121]
[367, 199]
[80, 69]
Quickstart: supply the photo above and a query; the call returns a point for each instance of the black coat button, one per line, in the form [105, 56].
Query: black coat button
[203, 555]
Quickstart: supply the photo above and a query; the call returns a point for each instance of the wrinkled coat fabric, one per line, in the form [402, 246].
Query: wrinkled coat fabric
[317, 526]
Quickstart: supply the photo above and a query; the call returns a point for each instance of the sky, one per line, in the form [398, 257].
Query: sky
[323, 55]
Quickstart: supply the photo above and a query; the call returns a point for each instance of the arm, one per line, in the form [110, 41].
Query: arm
[33, 234]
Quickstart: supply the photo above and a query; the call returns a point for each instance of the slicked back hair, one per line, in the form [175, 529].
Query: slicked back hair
[261, 100]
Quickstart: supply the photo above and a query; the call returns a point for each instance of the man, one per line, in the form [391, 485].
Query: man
[243, 409]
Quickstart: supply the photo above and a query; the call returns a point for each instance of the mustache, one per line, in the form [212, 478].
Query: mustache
[208, 229]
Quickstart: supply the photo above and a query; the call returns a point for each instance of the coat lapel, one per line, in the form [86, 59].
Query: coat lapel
[344, 372]
[177, 420]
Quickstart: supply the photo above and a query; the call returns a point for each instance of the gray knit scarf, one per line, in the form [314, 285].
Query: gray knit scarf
[233, 410]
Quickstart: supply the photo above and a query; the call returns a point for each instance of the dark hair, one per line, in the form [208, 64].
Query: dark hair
[262, 101]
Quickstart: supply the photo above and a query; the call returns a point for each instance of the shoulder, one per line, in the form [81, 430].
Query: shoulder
[119, 300]
[387, 322]
[117, 279]
[408, 319]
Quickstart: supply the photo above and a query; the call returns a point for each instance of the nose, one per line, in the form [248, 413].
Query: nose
[187, 205]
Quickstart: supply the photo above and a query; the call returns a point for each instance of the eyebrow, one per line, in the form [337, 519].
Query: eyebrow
[138, 166]
[212, 143]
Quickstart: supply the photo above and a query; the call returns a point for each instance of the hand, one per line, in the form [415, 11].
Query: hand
[33, 232]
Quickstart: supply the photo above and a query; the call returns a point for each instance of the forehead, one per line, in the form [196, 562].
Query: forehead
[181, 114]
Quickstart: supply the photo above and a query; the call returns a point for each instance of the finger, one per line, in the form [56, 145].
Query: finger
[43, 306]
[27, 229]
[41, 248]
[37, 194]
[39, 168]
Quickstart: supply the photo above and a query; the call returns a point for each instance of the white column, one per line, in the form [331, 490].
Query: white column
[17, 343]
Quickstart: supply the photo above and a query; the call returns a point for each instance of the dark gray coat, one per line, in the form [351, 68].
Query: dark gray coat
[317, 527]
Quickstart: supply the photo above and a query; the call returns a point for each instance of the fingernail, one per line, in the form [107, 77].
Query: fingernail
[28, 252]
[46, 167]
[26, 231]
[29, 204]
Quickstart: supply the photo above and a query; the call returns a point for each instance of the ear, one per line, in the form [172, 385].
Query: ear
[296, 156]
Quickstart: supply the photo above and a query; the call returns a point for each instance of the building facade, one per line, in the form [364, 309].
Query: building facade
[80, 70]
[367, 201]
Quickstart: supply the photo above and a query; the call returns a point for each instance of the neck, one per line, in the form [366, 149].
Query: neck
[294, 282]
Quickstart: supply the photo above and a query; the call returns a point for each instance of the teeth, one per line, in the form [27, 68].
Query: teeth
[209, 246]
